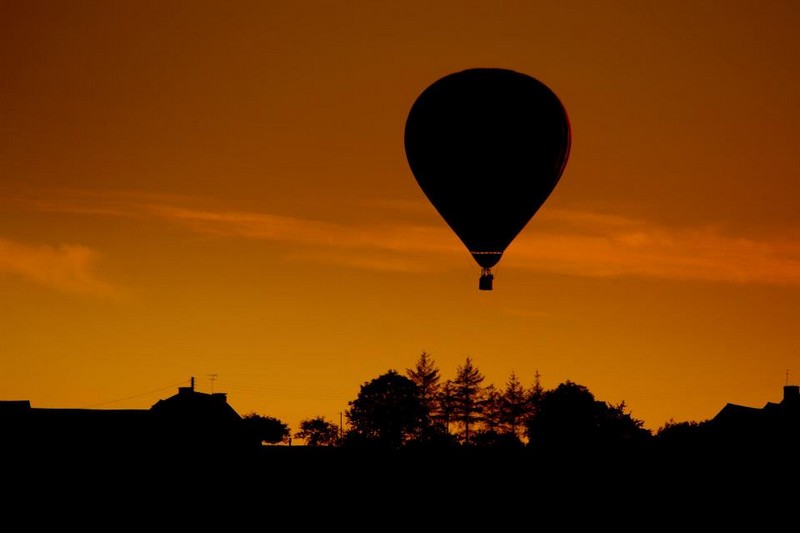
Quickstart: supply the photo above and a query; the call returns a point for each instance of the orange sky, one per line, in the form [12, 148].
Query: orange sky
[220, 188]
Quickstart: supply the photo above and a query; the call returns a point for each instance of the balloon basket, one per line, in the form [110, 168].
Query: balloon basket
[485, 282]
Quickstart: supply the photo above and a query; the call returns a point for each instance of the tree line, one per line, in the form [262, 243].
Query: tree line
[418, 408]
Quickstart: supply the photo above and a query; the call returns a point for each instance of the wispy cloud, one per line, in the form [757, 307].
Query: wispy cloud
[405, 247]
[65, 267]
[579, 243]
[588, 244]
[569, 242]
[311, 232]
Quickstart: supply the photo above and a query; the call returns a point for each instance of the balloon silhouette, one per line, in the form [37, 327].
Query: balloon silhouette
[487, 146]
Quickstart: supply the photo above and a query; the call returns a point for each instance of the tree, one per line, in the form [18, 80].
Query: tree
[467, 396]
[446, 403]
[617, 426]
[516, 405]
[263, 429]
[318, 432]
[425, 376]
[565, 417]
[569, 418]
[387, 411]
[535, 394]
[492, 409]
[494, 432]
[681, 437]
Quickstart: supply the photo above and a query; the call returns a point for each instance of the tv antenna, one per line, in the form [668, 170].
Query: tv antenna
[213, 377]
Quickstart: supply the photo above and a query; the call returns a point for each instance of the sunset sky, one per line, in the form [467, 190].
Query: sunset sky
[220, 190]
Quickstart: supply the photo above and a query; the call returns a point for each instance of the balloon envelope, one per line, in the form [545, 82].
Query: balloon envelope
[487, 146]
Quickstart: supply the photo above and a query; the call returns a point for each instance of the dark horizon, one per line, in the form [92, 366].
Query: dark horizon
[208, 416]
[192, 454]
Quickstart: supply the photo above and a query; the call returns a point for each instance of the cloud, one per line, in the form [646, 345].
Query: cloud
[66, 267]
[586, 244]
[326, 238]
[571, 242]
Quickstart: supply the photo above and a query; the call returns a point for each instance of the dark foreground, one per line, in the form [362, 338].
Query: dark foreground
[302, 488]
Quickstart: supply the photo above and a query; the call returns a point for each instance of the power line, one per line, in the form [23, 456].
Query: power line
[135, 395]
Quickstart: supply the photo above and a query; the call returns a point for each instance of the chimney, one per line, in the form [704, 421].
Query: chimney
[184, 391]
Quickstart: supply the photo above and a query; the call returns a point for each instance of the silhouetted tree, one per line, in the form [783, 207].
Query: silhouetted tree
[267, 429]
[618, 428]
[318, 432]
[516, 406]
[568, 417]
[564, 416]
[535, 393]
[425, 376]
[494, 432]
[446, 406]
[678, 430]
[467, 396]
[492, 410]
[683, 437]
[387, 411]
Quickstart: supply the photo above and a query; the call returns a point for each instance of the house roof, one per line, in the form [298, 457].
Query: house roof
[191, 403]
[785, 413]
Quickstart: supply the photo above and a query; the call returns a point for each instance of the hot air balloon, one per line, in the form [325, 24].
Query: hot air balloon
[487, 146]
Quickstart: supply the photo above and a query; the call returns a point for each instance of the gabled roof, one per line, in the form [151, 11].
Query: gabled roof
[189, 403]
[772, 416]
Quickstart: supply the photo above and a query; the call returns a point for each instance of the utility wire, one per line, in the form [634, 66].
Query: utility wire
[135, 395]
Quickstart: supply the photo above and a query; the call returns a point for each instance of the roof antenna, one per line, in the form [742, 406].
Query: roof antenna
[787, 376]
[213, 377]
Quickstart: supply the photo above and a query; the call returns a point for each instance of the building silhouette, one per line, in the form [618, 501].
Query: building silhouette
[188, 421]
[774, 427]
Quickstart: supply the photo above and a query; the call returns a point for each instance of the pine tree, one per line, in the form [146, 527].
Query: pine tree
[516, 405]
[468, 396]
[425, 375]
